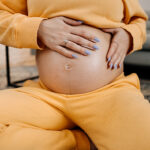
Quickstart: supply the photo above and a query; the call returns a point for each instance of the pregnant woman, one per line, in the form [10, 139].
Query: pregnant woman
[82, 100]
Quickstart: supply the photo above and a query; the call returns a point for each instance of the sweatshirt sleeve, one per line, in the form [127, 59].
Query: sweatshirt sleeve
[17, 29]
[135, 23]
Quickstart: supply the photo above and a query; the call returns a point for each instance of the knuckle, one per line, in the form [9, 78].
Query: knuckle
[75, 30]
[69, 55]
[82, 41]
[116, 57]
[71, 29]
[71, 37]
[89, 35]
[124, 55]
[61, 35]
[112, 50]
[73, 46]
[119, 59]
[60, 50]
[119, 55]
[90, 44]
[122, 58]
[115, 44]
[113, 58]
[81, 50]
[92, 37]
[70, 45]
[78, 40]
[66, 27]
[65, 53]
[83, 32]
[86, 34]
[112, 62]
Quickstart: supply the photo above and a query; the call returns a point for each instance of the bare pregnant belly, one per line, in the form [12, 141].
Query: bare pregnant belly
[80, 75]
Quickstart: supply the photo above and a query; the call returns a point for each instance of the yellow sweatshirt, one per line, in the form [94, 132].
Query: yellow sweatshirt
[20, 19]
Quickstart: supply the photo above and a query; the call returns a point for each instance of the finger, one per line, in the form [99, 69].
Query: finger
[117, 61]
[112, 49]
[63, 51]
[72, 21]
[121, 63]
[109, 30]
[113, 58]
[82, 41]
[83, 33]
[77, 48]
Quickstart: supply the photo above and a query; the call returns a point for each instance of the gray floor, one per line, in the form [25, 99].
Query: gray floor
[18, 73]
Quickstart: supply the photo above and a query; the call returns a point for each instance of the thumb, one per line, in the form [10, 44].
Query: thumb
[109, 30]
[72, 22]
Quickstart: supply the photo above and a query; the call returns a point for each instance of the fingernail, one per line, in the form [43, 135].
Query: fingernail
[75, 56]
[96, 39]
[111, 65]
[96, 47]
[80, 21]
[109, 59]
[115, 66]
[87, 52]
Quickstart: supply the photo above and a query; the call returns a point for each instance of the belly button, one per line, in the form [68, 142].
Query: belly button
[68, 67]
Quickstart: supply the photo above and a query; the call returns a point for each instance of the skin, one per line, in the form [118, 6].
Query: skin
[121, 45]
[80, 75]
[52, 33]
[55, 56]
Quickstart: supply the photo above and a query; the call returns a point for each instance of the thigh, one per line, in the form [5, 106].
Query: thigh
[115, 118]
[29, 123]
[17, 137]
[23, 108]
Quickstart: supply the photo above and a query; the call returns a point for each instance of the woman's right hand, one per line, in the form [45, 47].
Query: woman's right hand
[52, 33]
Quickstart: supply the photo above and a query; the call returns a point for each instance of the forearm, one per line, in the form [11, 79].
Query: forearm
[16, 28]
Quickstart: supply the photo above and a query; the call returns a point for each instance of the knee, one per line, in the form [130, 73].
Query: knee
[127, 94]
[127, 98]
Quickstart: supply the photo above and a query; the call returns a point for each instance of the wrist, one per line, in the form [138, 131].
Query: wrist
[130, 48]
[39, 35]
[130, 43]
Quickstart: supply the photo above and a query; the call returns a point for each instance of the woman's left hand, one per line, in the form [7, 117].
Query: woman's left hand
[120, 44]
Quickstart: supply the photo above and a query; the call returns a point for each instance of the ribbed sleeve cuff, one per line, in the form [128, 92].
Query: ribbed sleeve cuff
[137, 37]
[26, 33]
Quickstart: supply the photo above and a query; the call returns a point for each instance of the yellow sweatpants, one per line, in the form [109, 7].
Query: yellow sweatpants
[115, 117]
